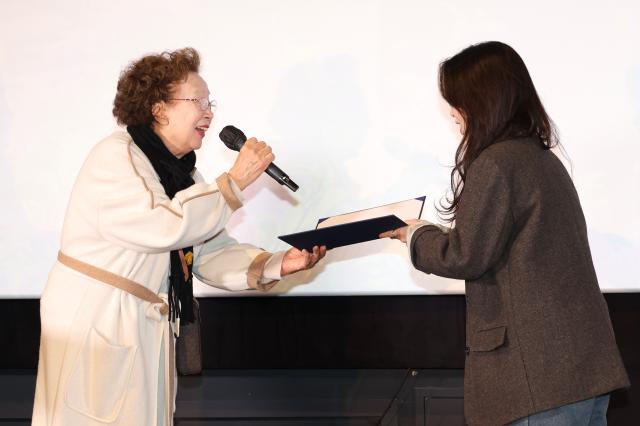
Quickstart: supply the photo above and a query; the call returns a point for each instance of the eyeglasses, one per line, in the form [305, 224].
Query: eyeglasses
[203, 103]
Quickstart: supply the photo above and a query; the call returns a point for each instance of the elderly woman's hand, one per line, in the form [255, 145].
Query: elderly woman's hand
[253, 159]
[296, 260]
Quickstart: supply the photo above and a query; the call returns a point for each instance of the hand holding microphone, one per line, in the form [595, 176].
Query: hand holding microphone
[234, 139]
[252, 161]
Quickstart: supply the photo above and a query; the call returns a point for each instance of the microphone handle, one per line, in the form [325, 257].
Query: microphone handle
[281, 177]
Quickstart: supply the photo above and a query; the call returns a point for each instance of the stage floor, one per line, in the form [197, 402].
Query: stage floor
[289, 397]
[387, 397]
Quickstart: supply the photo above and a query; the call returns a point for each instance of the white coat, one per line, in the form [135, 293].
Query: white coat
[104, 353]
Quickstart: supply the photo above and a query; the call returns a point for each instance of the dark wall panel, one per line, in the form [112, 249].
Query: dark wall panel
[321, 332]
[334, 332]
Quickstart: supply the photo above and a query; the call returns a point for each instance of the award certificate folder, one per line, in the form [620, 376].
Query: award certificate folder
[356, 227]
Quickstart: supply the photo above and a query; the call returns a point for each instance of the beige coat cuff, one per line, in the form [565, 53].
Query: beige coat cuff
[229, 191]
[273, 267]
[256, 272]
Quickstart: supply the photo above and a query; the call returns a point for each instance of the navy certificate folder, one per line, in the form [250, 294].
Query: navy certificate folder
[344, 234]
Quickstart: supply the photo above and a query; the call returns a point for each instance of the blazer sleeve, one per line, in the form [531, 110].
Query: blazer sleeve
[484, 222]
[135, 212]
[224, 263]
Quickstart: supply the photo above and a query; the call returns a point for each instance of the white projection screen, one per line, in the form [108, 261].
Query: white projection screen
[346, 94]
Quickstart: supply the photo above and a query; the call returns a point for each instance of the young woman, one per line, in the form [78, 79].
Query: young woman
[540, 346]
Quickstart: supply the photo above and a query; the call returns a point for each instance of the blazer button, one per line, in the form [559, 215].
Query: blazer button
[466, 350]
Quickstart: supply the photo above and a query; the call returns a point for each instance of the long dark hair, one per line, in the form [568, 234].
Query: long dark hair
[488, 83]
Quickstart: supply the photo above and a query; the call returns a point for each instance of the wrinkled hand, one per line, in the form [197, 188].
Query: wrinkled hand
[296, 260]
[400, 233]
[253, 159]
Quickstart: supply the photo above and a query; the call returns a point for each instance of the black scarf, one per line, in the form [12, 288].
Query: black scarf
[175, 175]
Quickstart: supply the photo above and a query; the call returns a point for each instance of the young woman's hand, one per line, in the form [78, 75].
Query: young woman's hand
[400, 233]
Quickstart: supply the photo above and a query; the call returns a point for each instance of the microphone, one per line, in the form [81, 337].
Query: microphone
[233, 138]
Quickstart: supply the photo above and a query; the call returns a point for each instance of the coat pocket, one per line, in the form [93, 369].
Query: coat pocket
[486, 340]
[97, 384]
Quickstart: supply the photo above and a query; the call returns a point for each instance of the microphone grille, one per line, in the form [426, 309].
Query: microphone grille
[233, 137]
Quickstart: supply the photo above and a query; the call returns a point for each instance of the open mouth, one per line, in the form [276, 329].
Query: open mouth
[202, 130]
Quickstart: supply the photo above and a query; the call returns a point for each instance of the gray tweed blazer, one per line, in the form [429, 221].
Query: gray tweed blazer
[538, 329]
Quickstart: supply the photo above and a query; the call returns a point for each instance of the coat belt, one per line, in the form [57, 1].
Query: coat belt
[125, 284]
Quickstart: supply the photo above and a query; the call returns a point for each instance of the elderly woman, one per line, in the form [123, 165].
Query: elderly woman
[141, 222]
